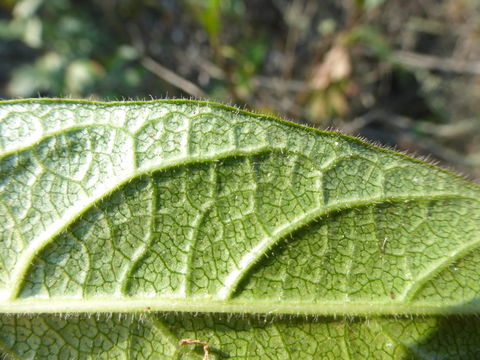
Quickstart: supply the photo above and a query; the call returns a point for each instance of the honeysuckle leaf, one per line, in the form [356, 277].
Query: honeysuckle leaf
[183, 219]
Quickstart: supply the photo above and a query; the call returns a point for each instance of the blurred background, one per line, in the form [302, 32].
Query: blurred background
[403, 73]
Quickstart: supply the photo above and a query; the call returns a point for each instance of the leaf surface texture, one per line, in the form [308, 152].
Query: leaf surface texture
[196, 207]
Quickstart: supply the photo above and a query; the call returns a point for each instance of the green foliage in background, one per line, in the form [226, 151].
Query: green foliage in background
[74, 55]
[192, 220]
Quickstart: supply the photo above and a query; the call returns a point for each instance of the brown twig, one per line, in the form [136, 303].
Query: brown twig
[158, 69]
[172, 78]
[430, 62]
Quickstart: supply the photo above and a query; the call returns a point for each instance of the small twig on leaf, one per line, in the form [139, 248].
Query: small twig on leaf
[197, 342]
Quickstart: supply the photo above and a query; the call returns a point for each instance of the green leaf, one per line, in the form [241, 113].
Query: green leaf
[169, 213]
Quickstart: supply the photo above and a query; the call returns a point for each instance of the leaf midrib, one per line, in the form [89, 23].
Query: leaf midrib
[235, 306]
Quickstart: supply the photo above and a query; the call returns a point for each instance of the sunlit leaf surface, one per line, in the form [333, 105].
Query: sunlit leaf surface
[181, 219]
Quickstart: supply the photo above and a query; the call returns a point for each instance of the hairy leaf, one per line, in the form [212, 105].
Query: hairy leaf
[185, 207]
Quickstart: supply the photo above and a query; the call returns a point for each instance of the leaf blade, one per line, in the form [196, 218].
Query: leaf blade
[196, 207]
[183, 140]
[107, 337]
